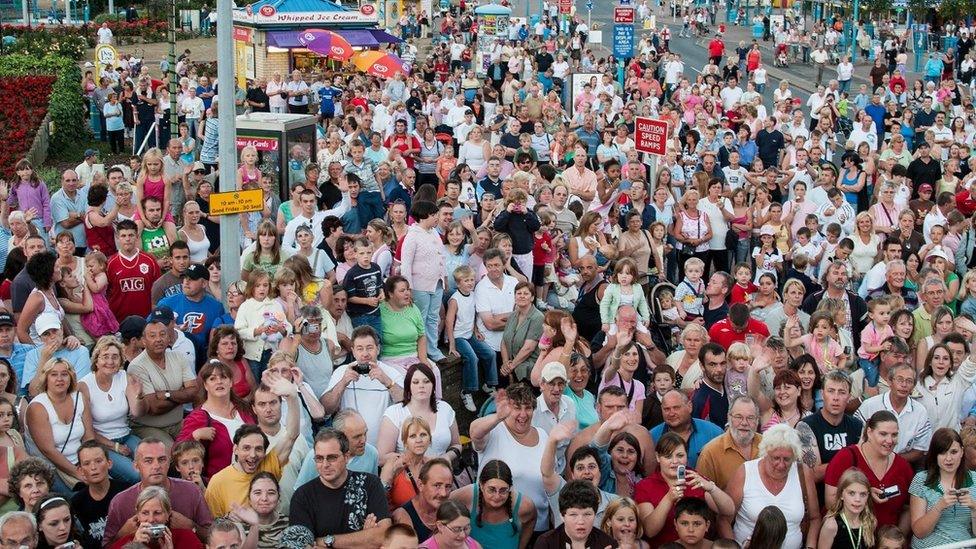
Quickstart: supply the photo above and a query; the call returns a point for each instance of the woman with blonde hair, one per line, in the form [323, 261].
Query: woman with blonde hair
[867, 243]
[622, 522]
[380, 236]
[687, 368]
[59, 418]
[115, 395]
[588, 239]
[401, 469]
[692, 229]
[850, 518]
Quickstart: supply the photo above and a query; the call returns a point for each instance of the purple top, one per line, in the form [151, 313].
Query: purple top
[26, 196]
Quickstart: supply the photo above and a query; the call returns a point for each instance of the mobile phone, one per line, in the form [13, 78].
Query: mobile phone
[681, 473]
[847, 351]
[890, 492]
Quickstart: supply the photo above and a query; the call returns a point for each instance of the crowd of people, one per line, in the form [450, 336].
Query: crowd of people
[762, 339]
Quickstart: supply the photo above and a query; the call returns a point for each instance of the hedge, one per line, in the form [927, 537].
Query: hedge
[67, 108]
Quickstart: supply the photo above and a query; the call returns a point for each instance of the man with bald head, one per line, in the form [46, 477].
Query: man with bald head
[676, 408]
[68, 207]
[603, 345]
[611, 400]
[895, 274]
[363, 456]
[175, 173]
[587, 311]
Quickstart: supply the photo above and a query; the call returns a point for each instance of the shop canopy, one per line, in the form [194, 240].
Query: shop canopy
[366, 38]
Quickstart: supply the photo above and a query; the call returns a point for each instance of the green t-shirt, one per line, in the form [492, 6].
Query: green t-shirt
[155, 243]
[401, 330]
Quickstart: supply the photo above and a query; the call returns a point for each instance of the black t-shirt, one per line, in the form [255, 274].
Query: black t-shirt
[91, 515]
[20, 289]
[330, 195]
[509, 141]
[258, 95]
[544, 60]
[145, 110]
[831, 439]
[712, 316]
[360, 282]
[325, 510]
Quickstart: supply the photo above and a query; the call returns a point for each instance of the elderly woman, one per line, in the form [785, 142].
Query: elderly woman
[264, 523]
[776, 478]
[687, 368]
[59, 418]
[30, 480]
[943, 496]
[875, 457]
[215, 421]
[153, 509]
[657, 494]
[115, 396]
[404, 341]
[520, 340]
[508, 435]
[419, 401]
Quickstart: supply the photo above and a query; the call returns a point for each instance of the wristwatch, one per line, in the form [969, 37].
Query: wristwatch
[329, 541]
[168, 396]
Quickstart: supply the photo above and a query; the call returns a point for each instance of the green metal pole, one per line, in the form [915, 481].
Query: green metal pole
[174, 116]
[857, 14]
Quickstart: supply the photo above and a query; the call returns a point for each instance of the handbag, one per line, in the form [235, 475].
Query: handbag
[688, 250]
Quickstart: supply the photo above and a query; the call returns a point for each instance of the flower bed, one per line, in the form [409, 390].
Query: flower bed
[74, 41]
[23, 105]
[61, 99]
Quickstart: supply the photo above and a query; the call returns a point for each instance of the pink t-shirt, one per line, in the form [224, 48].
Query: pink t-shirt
[871, 336]
[635, 389]
[825, 355]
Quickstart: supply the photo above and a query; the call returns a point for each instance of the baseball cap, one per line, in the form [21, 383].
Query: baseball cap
[197, 166]
[925, 187]
[937, 252]
[554, 370]
[767, 230]
[6, 319]
[47, 321]
[196, 271]
[161, 314]
[90, 152]
[132, 327]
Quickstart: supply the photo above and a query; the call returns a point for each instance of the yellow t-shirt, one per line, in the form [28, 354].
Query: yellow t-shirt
[231, 485]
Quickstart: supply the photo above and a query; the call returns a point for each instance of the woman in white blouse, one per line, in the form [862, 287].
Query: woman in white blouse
[476, 151]
[419, 400]
[114, 395]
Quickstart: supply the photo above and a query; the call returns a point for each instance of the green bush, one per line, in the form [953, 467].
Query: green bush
[66, 106]
[40, 43]
[103, 17]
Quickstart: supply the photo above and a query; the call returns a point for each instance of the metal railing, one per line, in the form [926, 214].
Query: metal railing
[957, 545]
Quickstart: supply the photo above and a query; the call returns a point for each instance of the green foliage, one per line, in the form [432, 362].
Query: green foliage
[40, 42]
[103, 17]
[66, 107]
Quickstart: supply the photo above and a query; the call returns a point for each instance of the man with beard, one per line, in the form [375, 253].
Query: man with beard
[434, 485]
[612, 399]
[232, 484]
[836, 279]
[171, 282]
[720, 458]
[587, 311]
[830, 430]
[91, 504]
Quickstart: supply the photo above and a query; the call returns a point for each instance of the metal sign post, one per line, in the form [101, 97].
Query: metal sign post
[623, 37]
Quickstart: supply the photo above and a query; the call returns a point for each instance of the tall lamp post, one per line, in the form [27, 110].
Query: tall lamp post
[174, 116]
[230, 250]
[854, 29]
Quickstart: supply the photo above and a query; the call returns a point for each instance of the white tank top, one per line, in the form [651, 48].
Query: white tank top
[67, 436]
[198, 248]
[755, 497]
[48, 308]
[524, 462]
[110, 409]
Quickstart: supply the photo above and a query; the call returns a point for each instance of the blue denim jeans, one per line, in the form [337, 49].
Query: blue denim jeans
[371, 320]
[258, 366]
[429, 304]
[870, 371]
[122, 467]
[476, 353]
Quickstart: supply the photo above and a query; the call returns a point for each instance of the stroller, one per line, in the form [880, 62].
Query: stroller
[782, 56]
[663, 330]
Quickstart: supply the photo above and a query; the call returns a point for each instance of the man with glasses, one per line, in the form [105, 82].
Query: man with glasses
[831, 429]
[914, 427]
[894, 351]
[18, 529]
[721, 457]
[363, 456]
[360, 495]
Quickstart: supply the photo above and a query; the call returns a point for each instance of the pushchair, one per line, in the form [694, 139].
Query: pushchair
[662, 330]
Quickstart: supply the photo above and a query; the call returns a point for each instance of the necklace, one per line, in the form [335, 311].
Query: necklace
[850, 534]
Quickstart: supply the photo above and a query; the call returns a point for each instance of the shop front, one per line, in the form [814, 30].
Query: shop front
[266, 34]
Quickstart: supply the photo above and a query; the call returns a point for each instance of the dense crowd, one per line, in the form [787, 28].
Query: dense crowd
[762, 338]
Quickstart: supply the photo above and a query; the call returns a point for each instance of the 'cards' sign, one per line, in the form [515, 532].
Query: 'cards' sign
[651, 136]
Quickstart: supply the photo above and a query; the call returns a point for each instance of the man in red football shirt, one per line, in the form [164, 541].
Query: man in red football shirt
[739, 326]
[131, 273]
[408, 145]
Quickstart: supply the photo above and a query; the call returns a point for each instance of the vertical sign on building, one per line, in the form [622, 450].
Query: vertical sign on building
[623, 32]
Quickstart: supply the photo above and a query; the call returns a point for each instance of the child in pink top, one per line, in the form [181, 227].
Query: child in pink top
[818, 343]
[877, 331]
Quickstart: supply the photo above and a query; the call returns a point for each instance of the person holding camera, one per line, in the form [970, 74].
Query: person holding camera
[153, 511]
[366, 385]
